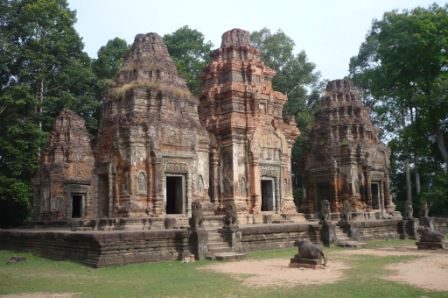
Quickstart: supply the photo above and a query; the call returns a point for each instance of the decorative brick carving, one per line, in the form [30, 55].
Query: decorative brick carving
[66, 171]
[346, 161]
[150, 125]
[250, 139]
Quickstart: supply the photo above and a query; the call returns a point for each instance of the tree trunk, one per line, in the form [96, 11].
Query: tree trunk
[416, 168]
[406, 163]
[441, 144]
[41, 100]
[417, 176]
[408, 181]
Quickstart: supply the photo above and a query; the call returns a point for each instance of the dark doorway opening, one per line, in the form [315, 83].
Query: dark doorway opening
[174, 195]
[267, 195]
[76, 206]
[375, 195]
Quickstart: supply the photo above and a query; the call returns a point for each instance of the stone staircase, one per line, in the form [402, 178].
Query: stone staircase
[343, 240]
[218, 249]
[341, 235]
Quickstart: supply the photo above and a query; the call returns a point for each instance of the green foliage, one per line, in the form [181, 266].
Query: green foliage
[436, 193]
[296, 76]
[402, 68]
[190, 54]
[110, 58]
[42, 70]
[298, 79]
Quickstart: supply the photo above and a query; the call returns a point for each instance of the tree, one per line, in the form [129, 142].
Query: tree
[298, 79]
[43, 69]
[296, 76]
[110, 58]
[190, 54]
[402, 65]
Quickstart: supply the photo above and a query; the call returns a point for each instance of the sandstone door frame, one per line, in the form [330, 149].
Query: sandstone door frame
[268, 191]
[180, 193]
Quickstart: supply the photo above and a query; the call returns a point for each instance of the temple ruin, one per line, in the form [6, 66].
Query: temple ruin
[346, 160]
[166, 166]
[154, 150]
[63, 186]
[250, 143]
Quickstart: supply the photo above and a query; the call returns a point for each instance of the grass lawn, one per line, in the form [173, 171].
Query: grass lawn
[175, 279]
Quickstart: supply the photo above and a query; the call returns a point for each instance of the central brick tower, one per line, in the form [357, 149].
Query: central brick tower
[250, 142]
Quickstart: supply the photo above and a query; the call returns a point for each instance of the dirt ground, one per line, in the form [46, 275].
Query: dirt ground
[428, 272]
[388, 251]
[266, 273]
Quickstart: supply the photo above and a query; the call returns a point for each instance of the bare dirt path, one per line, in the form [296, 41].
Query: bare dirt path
[387, 251]
[275, 272]
[429, 273]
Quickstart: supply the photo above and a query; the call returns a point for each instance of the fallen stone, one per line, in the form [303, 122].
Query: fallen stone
[351, 244]
[15, 259]
[432, 245]
[227, 256]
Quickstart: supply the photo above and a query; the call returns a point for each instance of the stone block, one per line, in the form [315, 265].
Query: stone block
[432, 245]
[298, 262]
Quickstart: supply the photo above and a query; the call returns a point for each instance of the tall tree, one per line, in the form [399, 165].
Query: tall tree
[403, 66]
[190, 53]
[43, 69]
[296, 76]
[298, 79]
[110, 58]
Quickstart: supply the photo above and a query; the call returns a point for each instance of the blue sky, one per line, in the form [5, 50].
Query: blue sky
[330, 32]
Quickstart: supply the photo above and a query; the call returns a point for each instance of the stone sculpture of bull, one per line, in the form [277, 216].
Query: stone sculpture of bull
[308, 250]
[428, 235]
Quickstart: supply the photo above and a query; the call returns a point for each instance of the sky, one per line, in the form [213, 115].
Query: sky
[329, 31]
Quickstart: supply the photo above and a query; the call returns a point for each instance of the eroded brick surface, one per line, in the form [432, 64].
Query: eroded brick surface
[150, 133]
[66, 170]
[346, 160]
[250, 141]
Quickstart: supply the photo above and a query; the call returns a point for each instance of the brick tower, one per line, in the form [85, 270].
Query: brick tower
[152, 152]
[346, 160]
[250, 159]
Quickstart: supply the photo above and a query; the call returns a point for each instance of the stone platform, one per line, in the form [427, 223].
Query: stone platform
[351, 244]
[227, 256]
[99, 248]
[432, 245]
[137, 243]
[298, 262]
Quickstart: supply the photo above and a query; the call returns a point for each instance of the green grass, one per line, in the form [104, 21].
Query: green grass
[175, 279]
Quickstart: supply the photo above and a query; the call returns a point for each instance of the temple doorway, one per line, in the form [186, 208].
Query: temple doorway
[267, 195]
[77, 205]
[375, 189]
[174, 194]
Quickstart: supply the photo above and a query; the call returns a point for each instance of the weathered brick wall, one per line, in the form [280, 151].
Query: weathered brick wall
[99, 249]
[441, 224]
[376, 229]
[260, 237]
